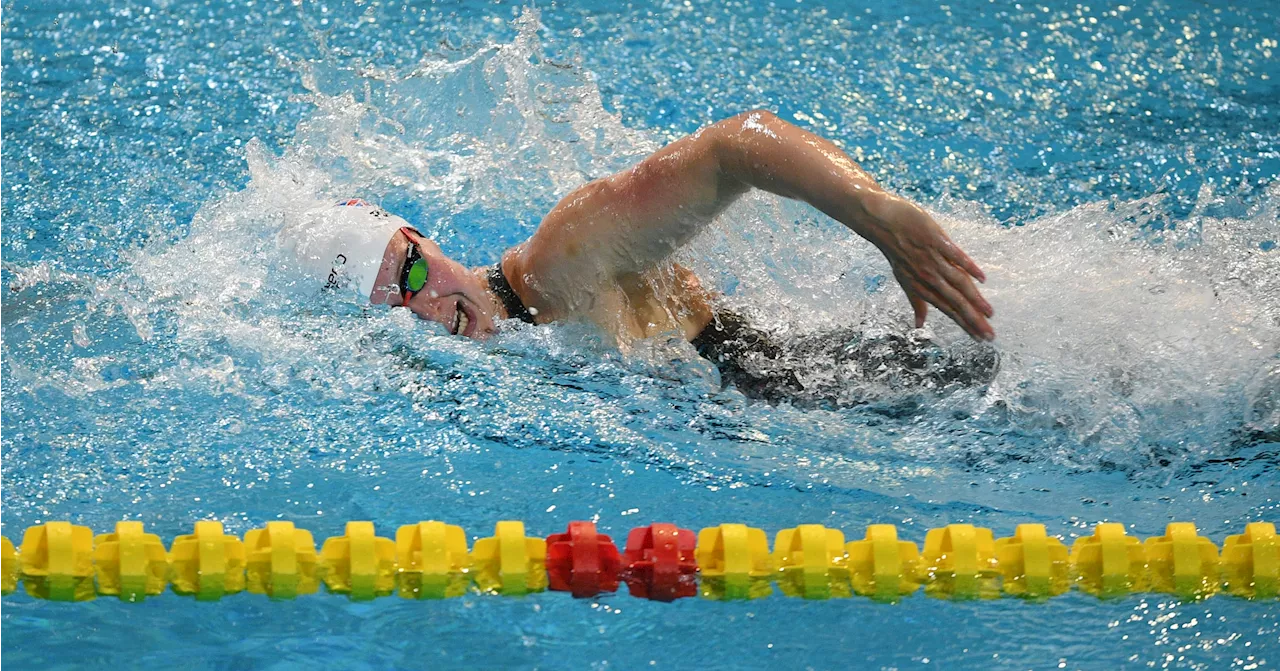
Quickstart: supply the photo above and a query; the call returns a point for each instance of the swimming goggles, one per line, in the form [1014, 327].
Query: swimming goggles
[413, 274]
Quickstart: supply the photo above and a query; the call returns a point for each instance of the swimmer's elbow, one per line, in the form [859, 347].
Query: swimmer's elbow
[731, 138]
[752, 146]
[733, 133]
[751, 119]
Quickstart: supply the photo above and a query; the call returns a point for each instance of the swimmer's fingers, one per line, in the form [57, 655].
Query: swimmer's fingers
[920, 307]
[950, 301]
[961, 282]
[973, 322]
[952, 253]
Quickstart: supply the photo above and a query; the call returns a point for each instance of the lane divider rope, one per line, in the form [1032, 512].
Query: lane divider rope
[60, 561]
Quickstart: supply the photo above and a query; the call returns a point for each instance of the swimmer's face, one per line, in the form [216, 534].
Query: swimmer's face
[453, 295]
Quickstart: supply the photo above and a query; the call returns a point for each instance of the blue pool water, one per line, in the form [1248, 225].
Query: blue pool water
[1114, 168]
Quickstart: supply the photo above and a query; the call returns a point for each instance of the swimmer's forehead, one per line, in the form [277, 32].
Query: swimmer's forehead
[424, 241]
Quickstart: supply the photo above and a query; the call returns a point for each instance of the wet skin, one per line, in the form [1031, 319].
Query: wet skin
[455, 296]
[603, 253]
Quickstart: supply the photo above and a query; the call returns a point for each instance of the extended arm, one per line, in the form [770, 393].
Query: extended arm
[623, 224]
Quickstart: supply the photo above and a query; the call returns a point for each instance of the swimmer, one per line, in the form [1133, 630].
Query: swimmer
[603, 254]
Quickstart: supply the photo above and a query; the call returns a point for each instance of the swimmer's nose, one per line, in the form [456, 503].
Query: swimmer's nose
[439, 309]
[427, 307]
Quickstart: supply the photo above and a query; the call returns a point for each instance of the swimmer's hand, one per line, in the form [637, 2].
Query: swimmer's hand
[928, 265]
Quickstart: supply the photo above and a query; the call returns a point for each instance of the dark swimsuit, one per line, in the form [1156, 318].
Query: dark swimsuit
[752, 360]
[844, 366]
[499, 285]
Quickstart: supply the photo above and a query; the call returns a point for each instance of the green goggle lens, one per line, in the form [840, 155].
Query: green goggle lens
[417, 275]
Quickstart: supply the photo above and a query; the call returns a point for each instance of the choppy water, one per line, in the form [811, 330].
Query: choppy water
[1112, 168]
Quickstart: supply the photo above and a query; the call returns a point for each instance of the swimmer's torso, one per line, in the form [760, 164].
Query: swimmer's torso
[671, 300]
[664, 300]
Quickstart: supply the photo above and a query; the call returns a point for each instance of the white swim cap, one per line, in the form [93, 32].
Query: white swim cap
[340, 245]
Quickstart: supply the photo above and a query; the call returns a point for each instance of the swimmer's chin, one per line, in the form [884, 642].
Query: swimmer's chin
[473, 333]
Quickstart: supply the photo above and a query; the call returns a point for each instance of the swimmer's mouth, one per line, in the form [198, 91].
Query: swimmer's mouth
[461, 320]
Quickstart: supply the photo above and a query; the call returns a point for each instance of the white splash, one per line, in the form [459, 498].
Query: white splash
[1112, 345]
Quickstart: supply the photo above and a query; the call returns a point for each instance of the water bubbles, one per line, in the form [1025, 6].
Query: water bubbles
[155, 66]
[79, 335]
[1262, 399]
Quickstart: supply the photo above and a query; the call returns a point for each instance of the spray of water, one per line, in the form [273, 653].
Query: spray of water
[1121, 343]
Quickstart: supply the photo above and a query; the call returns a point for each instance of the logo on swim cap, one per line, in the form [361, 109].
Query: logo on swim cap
[340, 244]
[337, 278]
